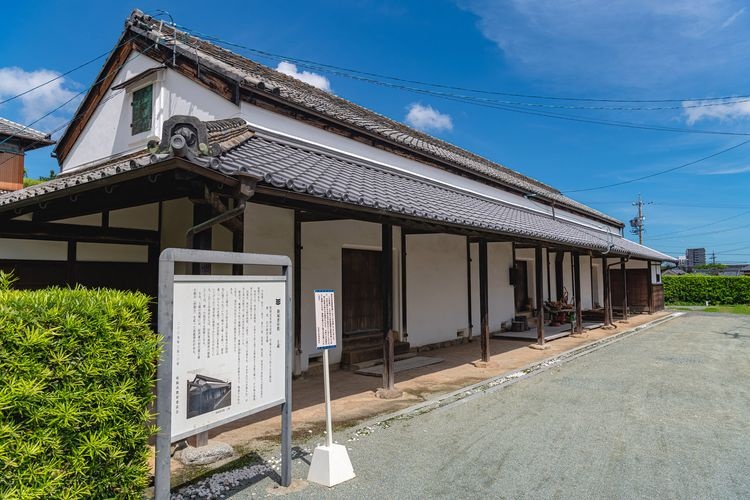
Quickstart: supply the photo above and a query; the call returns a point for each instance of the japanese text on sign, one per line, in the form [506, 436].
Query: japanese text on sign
[325, 319]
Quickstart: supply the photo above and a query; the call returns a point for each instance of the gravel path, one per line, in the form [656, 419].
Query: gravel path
[664, 413]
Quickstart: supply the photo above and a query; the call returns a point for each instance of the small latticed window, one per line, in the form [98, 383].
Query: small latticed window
[142, 108]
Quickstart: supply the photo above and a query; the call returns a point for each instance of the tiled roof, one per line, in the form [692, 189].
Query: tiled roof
[32, 138]
[225, 133]
[310, 171]
[253, 75]
[327, 175]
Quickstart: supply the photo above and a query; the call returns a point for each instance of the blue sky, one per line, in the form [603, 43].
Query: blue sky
[680, 51]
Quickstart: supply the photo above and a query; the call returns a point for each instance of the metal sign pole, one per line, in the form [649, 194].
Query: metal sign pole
[330, 464]
[327, 385]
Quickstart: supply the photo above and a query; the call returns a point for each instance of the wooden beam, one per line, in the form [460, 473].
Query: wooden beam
[539, 293]
[484, 309]
[386, 269]
[92, 234]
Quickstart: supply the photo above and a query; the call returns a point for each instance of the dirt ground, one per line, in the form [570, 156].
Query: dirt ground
[353, 395]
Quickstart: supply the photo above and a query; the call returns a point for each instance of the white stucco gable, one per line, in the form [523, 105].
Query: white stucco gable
[108, 131]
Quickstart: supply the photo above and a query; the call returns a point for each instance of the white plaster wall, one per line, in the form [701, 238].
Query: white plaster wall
[140, 217]
[436, 287]
[83, 220]
[268, 230]
[20, 249]
[585, 282]
[110, 252]
[267, 120]
[552, 276]
[108, 133]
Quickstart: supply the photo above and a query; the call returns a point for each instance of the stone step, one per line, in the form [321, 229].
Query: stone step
[371, 339]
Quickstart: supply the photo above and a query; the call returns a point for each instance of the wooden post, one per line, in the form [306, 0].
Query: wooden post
[650, 289]
[297, 284]
[624, 289]
[386, 269]
[405, 333]
[468, 287]
[201, 241]
[577, 290]
[484, 301]
[238, 245]
[549, 283]
[607, 297]
[539, 303]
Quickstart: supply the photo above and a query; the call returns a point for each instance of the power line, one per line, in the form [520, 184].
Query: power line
[659, 236]
[736, 228]
[319, 65]
[713, 155]
[515, 107]
[61, 75]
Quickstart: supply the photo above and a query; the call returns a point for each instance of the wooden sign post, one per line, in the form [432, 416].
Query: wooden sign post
[330, 463]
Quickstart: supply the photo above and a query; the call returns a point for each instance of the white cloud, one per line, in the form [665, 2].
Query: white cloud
[313, 79]
[728, 171]
[732, 18]
[640, 44]
[14, 80]
[728, 111]
[427, 118]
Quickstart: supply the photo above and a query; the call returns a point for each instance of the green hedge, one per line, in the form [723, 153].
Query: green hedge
[699, 288]
[76, 376]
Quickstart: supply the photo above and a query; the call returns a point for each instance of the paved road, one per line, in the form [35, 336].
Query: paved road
[664, 413]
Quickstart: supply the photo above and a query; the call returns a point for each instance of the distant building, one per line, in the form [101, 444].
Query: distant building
[15, 140]
[695, 257]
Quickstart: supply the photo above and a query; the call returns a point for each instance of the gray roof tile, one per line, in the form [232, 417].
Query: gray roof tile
[32, 138]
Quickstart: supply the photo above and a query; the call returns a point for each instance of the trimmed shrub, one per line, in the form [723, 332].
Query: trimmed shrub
[699, 288]
[77, 369]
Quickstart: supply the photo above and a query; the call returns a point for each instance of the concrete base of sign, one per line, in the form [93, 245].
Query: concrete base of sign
[330, 466]
[204, 455]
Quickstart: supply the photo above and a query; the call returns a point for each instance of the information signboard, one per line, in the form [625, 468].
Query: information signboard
[325, 319]
[228, 349]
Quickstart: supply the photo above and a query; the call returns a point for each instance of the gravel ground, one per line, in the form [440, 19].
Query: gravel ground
[661, 414]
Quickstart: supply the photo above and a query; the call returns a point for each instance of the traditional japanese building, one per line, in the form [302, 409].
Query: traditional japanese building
[183, 143]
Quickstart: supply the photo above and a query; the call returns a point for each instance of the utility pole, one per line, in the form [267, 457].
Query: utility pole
[636, 223]
[713, 258]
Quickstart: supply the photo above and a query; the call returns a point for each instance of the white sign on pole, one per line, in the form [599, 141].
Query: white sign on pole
[228, 354]
[330, 464]
[325, 319]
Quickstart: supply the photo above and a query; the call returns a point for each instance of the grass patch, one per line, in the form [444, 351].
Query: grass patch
[735, 309]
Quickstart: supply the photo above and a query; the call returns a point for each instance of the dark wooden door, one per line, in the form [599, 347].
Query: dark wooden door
[362, 297]
[521, 285]
[637, 288]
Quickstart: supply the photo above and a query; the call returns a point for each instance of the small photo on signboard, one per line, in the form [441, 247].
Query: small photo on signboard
[207, 394]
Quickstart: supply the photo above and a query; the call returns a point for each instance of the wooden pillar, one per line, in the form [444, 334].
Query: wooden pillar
[577, 290]
[386, 269]
[468, 287]
[202, 241]
[624, 289]
[238, 245]
[607, 297]
[650, 289]
[591, 275]
[405, 333]
[539, 303]
[549, 283]
[297, 284]
[484, 302]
